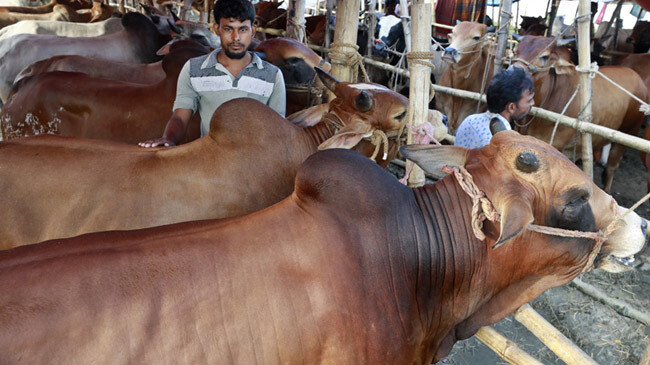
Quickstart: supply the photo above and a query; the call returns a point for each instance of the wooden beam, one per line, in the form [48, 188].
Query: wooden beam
[584, 62]
[566, 350]
[345, 37]
[296, 20]
[502, 35]
[420, 82]
[508, 350]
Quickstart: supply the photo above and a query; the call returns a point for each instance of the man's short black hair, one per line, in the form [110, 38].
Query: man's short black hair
[241, 10]
[507, 87]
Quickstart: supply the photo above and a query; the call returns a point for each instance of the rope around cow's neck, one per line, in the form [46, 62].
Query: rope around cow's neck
[483, 209]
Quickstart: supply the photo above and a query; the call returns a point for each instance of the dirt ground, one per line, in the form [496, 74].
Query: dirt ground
[600, 331]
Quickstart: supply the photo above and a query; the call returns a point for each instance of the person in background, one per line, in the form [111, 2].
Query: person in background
[510, 97]
[227, 73]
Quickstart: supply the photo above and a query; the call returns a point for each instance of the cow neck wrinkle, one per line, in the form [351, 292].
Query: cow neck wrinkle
[447, 246]
[324, 129]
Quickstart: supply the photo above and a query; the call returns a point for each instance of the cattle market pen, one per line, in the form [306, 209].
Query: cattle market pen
[345, 60]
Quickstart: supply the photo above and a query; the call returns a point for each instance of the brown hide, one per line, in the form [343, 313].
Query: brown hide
[246, 163]
[137, 42]
[47, 8]
[640, 37]
[59, 12]
[553, 88]
[143, 73]
[352, 268]
[74, 104]
[304, 89]
[640, 63]
[465, 72]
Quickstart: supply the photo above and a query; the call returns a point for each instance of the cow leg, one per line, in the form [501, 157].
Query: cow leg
[614, 160]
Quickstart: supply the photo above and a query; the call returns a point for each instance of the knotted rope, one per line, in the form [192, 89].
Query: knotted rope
[422, 134]
[298, 30]
[483, 209]
[422, 58]
[348, 59]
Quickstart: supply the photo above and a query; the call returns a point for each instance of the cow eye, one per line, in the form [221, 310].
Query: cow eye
[476, 38]
[401, 116]
[544, 58]
[573, 209]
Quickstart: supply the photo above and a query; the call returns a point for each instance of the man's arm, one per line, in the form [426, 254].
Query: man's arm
[184, 106]
[278, 98]
[174, 131]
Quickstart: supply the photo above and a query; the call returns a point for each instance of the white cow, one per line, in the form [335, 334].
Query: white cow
[64, 29]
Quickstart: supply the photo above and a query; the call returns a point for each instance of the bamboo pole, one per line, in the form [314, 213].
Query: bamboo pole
[187, 6]
[618, 305]
[551, 337]
[404, 14]
[329, 7]
[372, 13]
[645, 360]
[345, 36]
[502, 35]
[206, 9]
[551, 19]
[637, 143]
[584, 61]
[420, 82]
[508, 350]
[296, 20]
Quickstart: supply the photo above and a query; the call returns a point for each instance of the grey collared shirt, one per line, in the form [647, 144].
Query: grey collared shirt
[205, 84]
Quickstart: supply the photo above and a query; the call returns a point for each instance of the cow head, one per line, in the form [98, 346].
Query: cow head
[528, 181]
[640, 37]
[539, 55]
[466, 39]
[537, 184]
[363, 108]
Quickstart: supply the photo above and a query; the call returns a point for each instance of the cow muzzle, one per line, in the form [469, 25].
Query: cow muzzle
[450, 55]
[618, 252]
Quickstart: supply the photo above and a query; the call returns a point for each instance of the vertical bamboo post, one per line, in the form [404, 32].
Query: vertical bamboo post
[551, 19]
[551, 337]
[502, 35]
[296, 20]
[372, 25]
[120, 7]
[420, 76]
[584, 61]
[206, 10]
[187, 6]
[345, 39]
[645, 360]
[329, 5]
[404, 14]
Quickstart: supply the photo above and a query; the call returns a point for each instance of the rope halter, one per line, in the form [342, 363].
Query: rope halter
[483, 209]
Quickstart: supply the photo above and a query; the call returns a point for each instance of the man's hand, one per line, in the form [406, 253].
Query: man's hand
[158, 142]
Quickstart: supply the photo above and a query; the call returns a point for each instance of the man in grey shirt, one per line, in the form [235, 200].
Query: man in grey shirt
[230, 72]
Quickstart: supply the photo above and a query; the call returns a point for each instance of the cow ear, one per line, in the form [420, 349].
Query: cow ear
[348, 136]
[309, 117]
[433, 158]
[516, 214]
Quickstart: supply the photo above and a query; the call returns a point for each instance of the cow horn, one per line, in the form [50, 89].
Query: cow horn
[497, 125]
[432, 158]
[517, 37]
[565, 42]
[174, 27]
[364, 102]
[328, 80]
[490, 29]
[174, 16]
[527, 162]
[146, 8]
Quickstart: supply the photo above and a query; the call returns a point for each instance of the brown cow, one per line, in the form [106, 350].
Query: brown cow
[640, 37]
[352, 268]
[247, 162]
[74, 104]
[297, 62]
[59, 12]
[137, 43]
[556, 79]
[467, 56]
[639, 63]
[47, 8]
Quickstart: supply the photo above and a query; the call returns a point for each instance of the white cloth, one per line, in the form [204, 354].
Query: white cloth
[474, 131]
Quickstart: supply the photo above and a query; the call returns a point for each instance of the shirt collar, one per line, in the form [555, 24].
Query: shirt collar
[211, 60]
[492, 115]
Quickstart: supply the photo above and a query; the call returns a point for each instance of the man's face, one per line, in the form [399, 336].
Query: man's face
[235, 36]
[524, 105]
